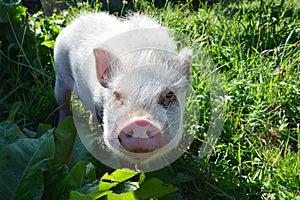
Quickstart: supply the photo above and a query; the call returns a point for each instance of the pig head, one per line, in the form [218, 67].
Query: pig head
[145, 99]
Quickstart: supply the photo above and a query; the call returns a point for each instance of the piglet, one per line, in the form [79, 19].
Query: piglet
[131, 70]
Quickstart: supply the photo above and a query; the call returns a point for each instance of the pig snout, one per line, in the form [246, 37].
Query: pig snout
[140, 136]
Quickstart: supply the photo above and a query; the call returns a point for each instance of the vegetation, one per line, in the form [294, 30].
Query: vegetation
[255, 46]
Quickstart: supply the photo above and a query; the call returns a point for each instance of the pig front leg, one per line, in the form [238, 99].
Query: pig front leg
[63, 86]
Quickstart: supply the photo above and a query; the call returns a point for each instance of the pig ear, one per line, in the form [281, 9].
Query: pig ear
[103, 60]
[185, 60]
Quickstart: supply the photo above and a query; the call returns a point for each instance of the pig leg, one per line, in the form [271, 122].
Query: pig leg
[97, 117]
[99, 113]
[63, 87]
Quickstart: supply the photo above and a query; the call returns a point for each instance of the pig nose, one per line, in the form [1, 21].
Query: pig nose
[140, 136]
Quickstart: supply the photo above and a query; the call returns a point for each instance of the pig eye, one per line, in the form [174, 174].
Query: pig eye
[117, 97]
[167, 98]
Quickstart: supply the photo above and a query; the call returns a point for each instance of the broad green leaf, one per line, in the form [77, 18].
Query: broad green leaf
[43, 128]
[9, 133]
[55, 181]
[49, 44]
[103, 186]
[98, 194]
[124, 196]
[21, 167]
[154, 188]
[90, 173]
[80, 153]
[65, 136]
[76, 176]
[169, 177]
[29, 133]
[120, 175]
[126, 186]
[89, 187]
[172, 196]
[69, 148]
[67, 171]
[74, 195]
[60, 181]
[181, 178]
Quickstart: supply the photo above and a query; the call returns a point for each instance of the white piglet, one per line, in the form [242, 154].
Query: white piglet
[130, 69]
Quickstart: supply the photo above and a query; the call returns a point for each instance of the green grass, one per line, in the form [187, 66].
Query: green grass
[255, 44]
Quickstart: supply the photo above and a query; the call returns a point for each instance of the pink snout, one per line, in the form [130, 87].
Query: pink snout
[140, 136]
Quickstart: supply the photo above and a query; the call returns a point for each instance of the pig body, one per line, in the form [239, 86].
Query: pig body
[131, 69]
